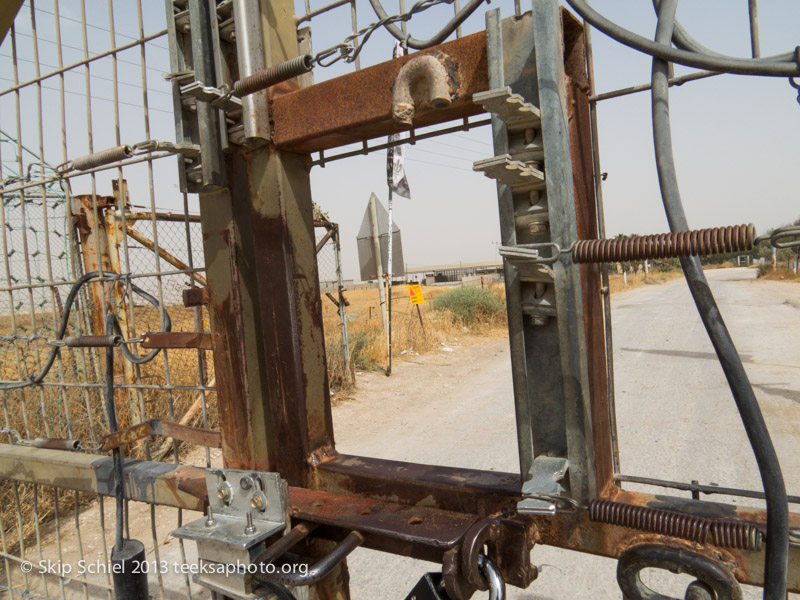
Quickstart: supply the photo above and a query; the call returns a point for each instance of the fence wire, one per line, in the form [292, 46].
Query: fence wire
[77, 78]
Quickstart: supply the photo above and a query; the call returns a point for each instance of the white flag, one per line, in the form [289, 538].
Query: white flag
[395, 167]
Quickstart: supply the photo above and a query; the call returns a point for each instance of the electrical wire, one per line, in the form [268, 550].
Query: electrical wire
[712, 62]
[769, 467]
[441, 36]
[166, 325]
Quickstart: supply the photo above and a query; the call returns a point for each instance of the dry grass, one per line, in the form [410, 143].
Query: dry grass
[617, 284]
[368, 348]
[78, 412]
[780, 274]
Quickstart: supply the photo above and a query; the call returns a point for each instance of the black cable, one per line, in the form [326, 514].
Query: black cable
[166, 325]
[111, 410]
[443, 34]
[664, 51]
[746, 402]
[682, 39]
[279, 590]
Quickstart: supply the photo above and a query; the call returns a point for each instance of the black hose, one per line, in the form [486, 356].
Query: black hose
[111, 410]
[682, 39]
[166, 325]
[280, 591]
[449, 28]
[769, 467]
[664, 51]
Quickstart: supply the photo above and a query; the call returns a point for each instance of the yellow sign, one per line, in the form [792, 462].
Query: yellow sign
[415, 293]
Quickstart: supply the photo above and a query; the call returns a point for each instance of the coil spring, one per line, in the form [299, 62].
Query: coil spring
[725, 534]
[699, 242]
[102, 158]
[275, 74]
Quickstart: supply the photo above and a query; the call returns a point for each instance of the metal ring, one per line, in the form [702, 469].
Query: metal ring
[497, 585]
[677, 560]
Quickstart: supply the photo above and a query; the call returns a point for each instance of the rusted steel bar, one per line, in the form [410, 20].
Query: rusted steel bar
[577, 79]
[178, 431]
[133, 216]
[577, 532]
[185, 487]
[310, 119]
[175, 262]
[195, 297]
[177, 339]
[460, 490]
[155, 483]
[324, 239]
[53, 443]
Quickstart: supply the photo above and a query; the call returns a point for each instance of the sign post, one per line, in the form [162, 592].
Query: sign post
[415, 294]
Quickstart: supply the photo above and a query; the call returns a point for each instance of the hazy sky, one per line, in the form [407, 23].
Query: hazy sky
[734, 136]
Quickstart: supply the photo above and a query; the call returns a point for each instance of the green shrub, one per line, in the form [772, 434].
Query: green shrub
[470, 304]
[360, 358]
[764, 268]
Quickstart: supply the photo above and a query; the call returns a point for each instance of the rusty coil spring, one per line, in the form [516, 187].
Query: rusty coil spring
[699, 242]
[725, 534]
[275, 74]
[101, 158]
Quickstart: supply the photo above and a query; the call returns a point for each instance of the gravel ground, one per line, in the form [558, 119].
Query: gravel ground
[676, 418]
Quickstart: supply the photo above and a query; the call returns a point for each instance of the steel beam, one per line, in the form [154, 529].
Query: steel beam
[155, 483]
[358, 106]
[423, 531]
[550, 72]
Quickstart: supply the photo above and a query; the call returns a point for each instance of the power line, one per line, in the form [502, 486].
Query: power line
[116, 33]
[94, 76]
[93, 97]
[63, 45]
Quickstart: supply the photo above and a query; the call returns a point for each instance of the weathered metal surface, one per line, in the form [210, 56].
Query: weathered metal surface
[185, 487]
[183, 433]
[587, 228]
[338, 111]
[417, 525]
[549, 40]
[461, 490]
[195, 297]
[423, 80]
[156, 483]
[577, 532]
[177, 339]
[125, 436]
[716, 578]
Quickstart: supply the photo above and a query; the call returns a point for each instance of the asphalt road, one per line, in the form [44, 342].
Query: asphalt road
[676, 417]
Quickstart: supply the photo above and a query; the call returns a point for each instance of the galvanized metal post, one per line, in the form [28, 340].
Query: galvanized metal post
[266, 312]
[549, 44]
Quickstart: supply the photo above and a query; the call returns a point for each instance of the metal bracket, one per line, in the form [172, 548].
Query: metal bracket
[245, 509]
[542, 490]
[216, 97]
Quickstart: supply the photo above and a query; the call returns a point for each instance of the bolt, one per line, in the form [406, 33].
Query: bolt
[210, 522]
[258, 501]
[250, 529]
[225, 492]
[246, 483]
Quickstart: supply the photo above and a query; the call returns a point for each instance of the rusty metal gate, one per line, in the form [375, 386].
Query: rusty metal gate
[98, 358]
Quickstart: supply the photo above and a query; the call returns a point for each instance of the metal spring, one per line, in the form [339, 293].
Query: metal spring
[102, 158]
[725, 534]
[275, 74]
[699, 242]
